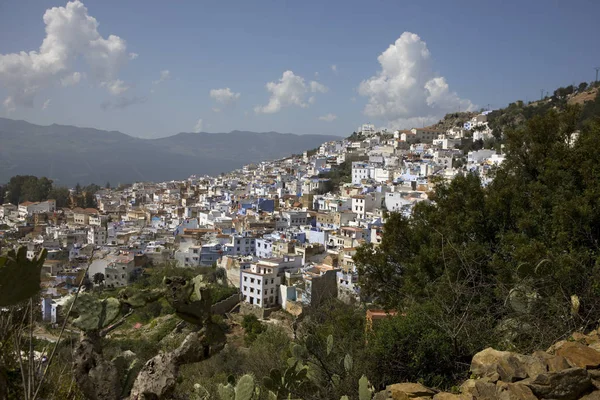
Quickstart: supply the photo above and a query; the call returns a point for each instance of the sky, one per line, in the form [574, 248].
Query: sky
[156, 68]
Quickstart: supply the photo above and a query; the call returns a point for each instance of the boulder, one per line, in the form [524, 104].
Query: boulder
[579, 355]
[568, 384]
[452, 396]
[578, 337]
[595, 346]
[552, 349]
[405, 391]
[479, 389]
[513, 391]
[557, 363]
[595, 395]
[504, 365]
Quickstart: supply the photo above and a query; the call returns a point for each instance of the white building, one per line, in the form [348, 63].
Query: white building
[97, 236]
[360, 171]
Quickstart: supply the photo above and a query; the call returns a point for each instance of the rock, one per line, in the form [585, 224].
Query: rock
[513, 391]
[595, 346]
[578, 337]
[504, 365]
[451, 396]
[405, 391]
[595, 395]
[567, 384]
[592, 337]
[479, 389]
[552, 349]
[579, 355]
[594, 373]
[557, 363]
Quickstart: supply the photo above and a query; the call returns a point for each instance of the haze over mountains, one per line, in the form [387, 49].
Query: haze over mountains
[70, 155]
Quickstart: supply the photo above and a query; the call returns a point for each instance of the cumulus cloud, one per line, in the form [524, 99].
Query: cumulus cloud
[224, 96]
[334, 68]
[46, 104]
[71, 79]
[198, 126]
[165, 75]
[328, 118]
[318, 87]
[406, 92]
[71, 33]
[133, 56]
[290, 90]
[116, 87]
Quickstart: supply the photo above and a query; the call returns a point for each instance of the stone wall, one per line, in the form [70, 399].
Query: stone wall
[225, 305]
[568, 370]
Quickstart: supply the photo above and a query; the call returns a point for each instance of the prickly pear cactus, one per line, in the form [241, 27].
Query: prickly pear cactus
[364, 389]
[139, 298]
[19, 276]
[95, 314]
[244, 390]
[226, 392]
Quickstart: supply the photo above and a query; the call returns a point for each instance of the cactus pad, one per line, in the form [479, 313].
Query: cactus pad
[19, 276]
[244, 390]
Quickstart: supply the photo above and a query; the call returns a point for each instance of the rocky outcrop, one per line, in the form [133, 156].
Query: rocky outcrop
[568, 370]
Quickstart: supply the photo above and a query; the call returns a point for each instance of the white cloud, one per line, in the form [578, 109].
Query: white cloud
[328, 118]
[165, 75]
[406, 92]
[116, 87]
[198, 126]
[224, 96]
[317, 74]
[311, 100]
[46, 104]
[317, 87]
[216, 109]
[70, 34]
[353, 99]
[334, 68]
[290, 90]
[133, 56]
[9, 104]
[72, 79]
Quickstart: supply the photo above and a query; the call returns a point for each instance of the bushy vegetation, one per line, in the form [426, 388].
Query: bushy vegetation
[512, 265]
[23, 188]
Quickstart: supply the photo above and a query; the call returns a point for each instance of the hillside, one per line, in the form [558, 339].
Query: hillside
[69, 154]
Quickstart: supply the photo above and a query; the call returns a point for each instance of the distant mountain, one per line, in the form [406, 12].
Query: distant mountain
[69, 154]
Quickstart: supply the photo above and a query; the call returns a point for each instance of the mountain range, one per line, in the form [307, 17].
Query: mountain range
[69, 154]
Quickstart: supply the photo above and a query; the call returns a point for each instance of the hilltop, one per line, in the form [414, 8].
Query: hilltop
[70, 154]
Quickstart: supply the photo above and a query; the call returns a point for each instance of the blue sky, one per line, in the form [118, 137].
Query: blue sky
[444, 55]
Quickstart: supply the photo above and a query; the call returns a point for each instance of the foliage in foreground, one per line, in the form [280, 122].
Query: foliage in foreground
[514, 264]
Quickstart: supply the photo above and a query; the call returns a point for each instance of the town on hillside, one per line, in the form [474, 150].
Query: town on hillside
[285, 231]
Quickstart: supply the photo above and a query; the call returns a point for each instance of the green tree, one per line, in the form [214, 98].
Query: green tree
[509, 255]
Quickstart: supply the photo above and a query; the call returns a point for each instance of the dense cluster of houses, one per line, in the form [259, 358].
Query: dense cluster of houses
[285, 238]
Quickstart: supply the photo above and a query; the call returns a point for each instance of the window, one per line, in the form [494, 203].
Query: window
[257, 301]
[251, 290]
[257, 291]
[245, 279]
[245, 288]
[251, 280]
